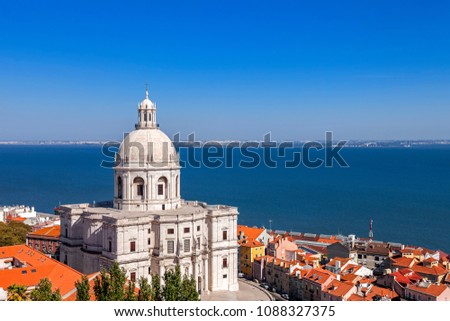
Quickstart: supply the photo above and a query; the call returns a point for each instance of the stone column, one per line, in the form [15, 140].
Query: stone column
[205, 278]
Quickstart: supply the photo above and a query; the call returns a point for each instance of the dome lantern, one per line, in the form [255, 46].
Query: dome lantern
[146, 113]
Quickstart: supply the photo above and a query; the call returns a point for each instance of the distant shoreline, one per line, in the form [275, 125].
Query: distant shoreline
[349, 144]
[48, 143]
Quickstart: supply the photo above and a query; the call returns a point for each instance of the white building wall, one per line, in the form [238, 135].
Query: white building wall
[205, 264]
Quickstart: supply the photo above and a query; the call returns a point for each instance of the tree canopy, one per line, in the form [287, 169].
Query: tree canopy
[177, 288]
[83, 288]
[17, 293]
[145, 290]
[43, 292]
[13, 233]
[112, 286]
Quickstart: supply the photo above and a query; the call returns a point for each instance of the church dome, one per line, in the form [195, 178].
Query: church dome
[144, 147]
[147, 171]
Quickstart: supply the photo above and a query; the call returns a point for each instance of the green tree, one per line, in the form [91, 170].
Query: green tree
[177, 288]
[13, 233]
[17, 293]
[130, 294]
[118, 280]
[110, 286]
[188, 290]
[102, 285]
[156, 292]
[56, 296]
[172, 284]
[43, 292]
[83, 288]
[145, 290]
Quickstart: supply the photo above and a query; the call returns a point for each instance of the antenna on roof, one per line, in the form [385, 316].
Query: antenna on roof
[270, 225]
[371, 230]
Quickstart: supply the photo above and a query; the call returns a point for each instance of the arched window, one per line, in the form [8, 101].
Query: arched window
[119, 187]
[138, 188]
[177, 186]
[162, 187]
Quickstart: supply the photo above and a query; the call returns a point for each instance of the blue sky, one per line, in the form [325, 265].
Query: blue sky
[226, 69]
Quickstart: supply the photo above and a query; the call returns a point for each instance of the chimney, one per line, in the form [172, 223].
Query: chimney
[338, 277]
[338, 264]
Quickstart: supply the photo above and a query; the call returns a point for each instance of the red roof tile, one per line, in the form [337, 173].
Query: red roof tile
[249, 232]
[338, 288]
[429, 288]
[51, 231]
[250, 243]
[37, 266]
[319, 276]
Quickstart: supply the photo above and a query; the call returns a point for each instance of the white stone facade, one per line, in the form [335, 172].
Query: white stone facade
[149, 228]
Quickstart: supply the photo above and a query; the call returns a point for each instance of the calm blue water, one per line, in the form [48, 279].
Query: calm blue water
[405, 191]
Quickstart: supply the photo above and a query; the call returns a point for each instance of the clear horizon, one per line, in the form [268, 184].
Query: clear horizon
[226, 71]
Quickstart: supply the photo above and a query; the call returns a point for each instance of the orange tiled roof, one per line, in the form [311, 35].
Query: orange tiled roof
[250, 243]
[365, 280]
[414, 251]
[300, 273]
[338, 288]
[51, 231]
[319, 275]
[426, 251]
[355, 297]
[382, 292]
[328, 241]
[351, 268]
[351, 278]
[250, 232]
[342, 260]
[368, 294]
[431, 270]
[18, 219]
[37, 266]
[404, 261]
[431, 288]
[406, 276]
[430, 260]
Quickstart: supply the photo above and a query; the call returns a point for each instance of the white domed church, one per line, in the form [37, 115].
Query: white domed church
[150, 228]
